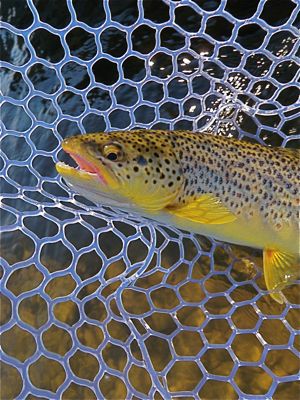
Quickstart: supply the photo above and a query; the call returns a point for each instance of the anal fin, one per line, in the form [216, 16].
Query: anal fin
[280, 269]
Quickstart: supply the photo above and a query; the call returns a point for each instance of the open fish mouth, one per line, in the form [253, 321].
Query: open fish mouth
[66, 170]
[87, 171]
[95, 181]
[84, 169]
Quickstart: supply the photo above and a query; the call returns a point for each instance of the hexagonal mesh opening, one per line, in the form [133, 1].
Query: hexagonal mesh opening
[99, 304]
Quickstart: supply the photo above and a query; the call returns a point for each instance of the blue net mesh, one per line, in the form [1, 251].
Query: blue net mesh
[100, 304]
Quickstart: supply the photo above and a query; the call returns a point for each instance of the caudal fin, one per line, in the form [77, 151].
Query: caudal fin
[280, 269]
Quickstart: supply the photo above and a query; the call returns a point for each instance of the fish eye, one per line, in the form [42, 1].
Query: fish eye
[113, 152]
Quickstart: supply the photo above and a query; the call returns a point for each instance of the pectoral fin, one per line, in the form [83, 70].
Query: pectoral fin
[156, 198]
[280, 269]
[207, 209]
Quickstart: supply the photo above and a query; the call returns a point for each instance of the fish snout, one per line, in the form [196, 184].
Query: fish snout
[71, 144]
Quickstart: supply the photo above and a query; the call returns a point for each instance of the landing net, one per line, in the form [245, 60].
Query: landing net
[100, 304]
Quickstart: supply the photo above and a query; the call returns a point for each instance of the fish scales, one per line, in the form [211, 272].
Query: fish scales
[242, 175]
[236, 191]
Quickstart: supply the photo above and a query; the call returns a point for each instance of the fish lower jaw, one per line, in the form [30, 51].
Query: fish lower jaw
[67, 170]
[92, 192]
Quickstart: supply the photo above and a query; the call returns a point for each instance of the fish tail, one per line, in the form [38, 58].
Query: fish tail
[280, 270]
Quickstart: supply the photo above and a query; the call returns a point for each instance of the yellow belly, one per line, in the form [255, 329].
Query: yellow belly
[248, 232]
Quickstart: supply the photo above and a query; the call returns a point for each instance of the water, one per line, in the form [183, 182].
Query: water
[101, 304]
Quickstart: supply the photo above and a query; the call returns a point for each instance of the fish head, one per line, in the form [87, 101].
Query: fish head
[135, 169]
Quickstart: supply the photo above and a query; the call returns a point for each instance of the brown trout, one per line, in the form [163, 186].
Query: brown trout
[232, 190]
